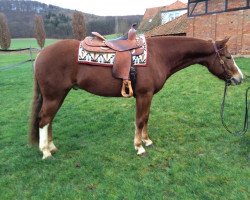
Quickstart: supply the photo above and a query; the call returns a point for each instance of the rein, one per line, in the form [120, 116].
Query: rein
[227, 83]
[245, 123]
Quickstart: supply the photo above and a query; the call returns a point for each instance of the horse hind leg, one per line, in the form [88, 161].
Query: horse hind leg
[52, 147]
[47, 113]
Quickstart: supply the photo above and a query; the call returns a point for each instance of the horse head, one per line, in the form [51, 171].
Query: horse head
[223, 65]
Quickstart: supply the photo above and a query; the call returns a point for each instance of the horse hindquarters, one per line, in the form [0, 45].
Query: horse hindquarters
[38, 135]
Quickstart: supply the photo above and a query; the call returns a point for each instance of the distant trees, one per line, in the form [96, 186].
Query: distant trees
[58, 25]
[105, 25]
[58, 21]
[78, 25]
[123, 27]
[40, 34]
[5, 38]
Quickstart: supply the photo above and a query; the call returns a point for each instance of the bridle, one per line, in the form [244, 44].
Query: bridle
[227, 83]
[222, 62]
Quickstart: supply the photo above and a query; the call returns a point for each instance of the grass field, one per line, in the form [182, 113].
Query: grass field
[8, 59]
[193, 156]
[28, 42]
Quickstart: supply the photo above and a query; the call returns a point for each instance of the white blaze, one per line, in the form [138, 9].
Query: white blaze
[241, 74]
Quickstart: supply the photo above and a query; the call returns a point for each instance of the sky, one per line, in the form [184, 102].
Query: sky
[110, 7]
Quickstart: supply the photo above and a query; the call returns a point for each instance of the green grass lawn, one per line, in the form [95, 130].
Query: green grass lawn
[193, 156]
[11, 58]
[28, 42]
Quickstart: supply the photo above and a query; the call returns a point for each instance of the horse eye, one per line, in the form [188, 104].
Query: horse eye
[228, 57]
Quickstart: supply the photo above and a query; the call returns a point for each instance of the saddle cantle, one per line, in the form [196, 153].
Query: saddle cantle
[124, 49]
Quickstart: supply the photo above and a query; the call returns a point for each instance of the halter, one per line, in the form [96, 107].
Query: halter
[217, 51]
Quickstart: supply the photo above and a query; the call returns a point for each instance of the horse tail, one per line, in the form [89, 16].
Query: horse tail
[34, 117]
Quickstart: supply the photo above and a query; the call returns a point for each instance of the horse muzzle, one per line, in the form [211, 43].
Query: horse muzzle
[235, 80]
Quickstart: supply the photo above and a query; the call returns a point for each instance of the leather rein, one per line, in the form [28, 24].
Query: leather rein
[245, 122]
[227, 84]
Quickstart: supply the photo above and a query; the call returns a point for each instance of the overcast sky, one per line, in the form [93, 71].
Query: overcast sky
[110, 7]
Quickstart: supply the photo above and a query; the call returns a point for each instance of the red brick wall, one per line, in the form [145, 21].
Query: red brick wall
[235, 24]
[215, 6]
[236, 3]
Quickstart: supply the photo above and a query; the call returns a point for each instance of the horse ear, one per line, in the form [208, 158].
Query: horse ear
[222, 43]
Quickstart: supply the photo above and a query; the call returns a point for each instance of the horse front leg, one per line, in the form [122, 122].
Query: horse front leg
[143, 103]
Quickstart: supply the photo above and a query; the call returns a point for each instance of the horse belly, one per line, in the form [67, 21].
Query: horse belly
[98, 81]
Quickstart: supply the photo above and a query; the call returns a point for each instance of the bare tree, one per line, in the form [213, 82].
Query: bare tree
[5, 38]
[40, 34]
[78, 25]
[123, 26]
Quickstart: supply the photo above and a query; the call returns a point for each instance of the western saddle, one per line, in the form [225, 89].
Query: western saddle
[124, 48]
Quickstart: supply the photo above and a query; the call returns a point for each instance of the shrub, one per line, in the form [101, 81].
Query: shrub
[40, 34]
[78, 25]
[5, 38]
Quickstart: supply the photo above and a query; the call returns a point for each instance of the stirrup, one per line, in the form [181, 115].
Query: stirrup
[126, 84]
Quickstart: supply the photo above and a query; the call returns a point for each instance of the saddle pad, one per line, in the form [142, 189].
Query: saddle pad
[107, 59]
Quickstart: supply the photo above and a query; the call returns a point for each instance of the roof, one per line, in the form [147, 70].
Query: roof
[152, 12]
[175, 27]
[178, 5]
[152, 16]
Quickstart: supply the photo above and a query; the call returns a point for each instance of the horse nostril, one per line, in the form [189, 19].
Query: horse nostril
[236, 81]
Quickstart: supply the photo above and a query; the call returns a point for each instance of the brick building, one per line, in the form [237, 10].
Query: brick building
[216, 19]
[212, 19]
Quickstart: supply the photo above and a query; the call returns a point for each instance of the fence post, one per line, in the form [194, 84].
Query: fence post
[31, 59]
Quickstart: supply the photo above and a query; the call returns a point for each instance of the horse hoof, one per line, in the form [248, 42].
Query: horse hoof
[148, 142]
[52, 147]
[143, 155]
[150, 146]
[140, 150]
[53, 150]
[48, 157]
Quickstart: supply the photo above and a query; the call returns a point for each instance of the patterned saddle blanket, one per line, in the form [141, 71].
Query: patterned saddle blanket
[104, 56]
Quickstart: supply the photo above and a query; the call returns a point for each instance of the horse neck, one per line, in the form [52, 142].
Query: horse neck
[181, 52]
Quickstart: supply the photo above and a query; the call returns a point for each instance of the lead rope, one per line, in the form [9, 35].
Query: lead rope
[245, 124]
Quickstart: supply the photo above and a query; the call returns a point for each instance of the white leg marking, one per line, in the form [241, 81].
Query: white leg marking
[43, 141]
[52, 147]
[140, 150]
[147, 142]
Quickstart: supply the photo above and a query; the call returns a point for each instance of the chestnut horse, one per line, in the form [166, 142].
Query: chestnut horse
[56, 72]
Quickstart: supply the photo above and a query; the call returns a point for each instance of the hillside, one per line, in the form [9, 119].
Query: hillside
[57, 20]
